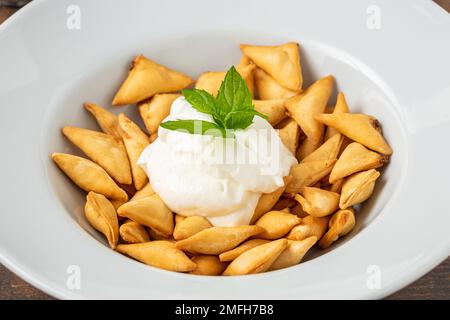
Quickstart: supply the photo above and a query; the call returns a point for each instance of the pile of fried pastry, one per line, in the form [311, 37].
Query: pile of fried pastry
[338, 156]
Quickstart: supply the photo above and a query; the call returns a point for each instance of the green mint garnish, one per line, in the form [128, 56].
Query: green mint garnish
[196, 127]
[232, 109]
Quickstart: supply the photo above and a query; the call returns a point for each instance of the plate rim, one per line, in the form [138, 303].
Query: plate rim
[48, 287]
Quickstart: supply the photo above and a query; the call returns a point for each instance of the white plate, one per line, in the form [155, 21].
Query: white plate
[397, 72]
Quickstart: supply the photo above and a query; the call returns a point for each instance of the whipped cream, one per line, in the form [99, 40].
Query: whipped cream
[220, 179]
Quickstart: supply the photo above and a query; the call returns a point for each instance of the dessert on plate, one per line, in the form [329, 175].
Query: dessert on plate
[239, 172]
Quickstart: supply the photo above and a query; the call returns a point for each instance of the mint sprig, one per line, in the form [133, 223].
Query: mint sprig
[195, 127]
[231, 110]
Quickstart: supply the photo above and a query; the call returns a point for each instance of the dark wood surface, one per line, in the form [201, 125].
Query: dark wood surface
[5, 12]
[434, 285]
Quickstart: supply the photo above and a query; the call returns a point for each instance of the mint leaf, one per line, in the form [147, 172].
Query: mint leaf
[232, 109]
[195, 127]
[204, 102]
[201, 100]
[233, 94]
[257, 113]
[241, 119]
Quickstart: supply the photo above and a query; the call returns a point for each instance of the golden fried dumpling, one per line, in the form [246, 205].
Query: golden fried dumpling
[245, 61]
[133, 232]
[101, 214]
[340, 107]
[89, 176]
[284, 203]
[268, 88]
[107, 121]
[135, 142]
[211, 81]
[276, 224]
[246, 72]
[145, 192]
[190, 226]
[340, 224]
[157, 235]
[268, 200]
[358, 127]
[104, 149]
[329, 150]
[129, 189]
[232, 254]
[356, 158]
[318, 202]
[151, 212]
[311, 102]
[161, 254]
[216, 240]
[307, 147]
[306, 174]
[179, 219]
[358, 188]
[298, 210]
[336, 186]
[322, 183]
[208, 265]
[308, 227]
[155, 110]
[250, 78]
[281, 62]
[256, 260]
[289, 133]
[293, 254]
[153, 137]
[117, 203]
[273, 109]
[147, 78]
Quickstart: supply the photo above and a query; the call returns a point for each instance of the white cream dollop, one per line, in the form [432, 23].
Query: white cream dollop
[220, 179]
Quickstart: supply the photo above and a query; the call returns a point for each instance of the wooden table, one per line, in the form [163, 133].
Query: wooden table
[434, 285]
